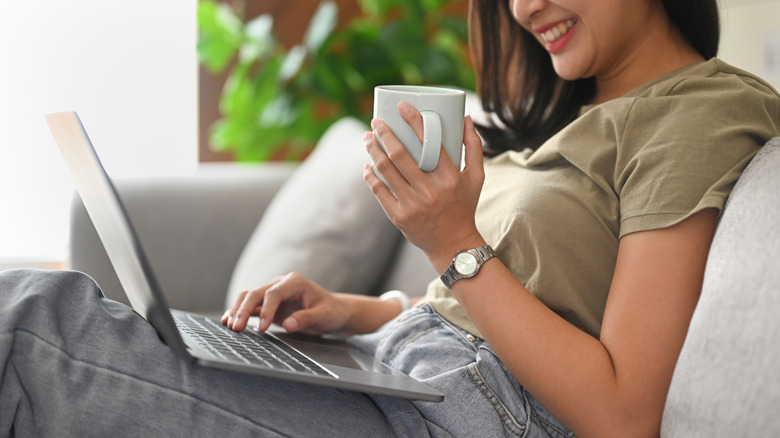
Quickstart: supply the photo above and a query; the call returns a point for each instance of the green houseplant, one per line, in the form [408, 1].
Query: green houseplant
[277, 101]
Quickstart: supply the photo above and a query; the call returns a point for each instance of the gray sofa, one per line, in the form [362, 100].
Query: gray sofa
[230, 226]
[206, 241]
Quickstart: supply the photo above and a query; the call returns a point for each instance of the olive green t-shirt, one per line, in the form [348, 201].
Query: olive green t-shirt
[644, 161]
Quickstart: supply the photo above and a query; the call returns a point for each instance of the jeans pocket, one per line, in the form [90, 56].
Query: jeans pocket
[515, 406]
[512, 413]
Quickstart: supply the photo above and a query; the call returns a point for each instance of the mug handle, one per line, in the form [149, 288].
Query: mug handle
[431, 145]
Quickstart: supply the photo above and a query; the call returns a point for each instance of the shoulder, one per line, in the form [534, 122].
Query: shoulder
[686, 139]
[697, 97]
[711, 78]
[708, 109]
[688, 103]
[707, 104]
[689, 97]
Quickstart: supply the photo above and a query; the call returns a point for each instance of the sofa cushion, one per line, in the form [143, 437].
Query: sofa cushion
[323, 223]
[192, 228]
[727, 379]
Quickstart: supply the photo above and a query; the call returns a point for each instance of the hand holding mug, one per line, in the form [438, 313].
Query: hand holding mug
[434, 210]
[442, 110]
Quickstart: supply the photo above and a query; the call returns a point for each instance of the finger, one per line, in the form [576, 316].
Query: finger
[286, 289]
[247, 303]
[229, 318]
[377, 187]
[473, 155]
[230, 312]
[400, 159]
[305, 321]
[372, 146]
[413, 118]
[383, 163]
[246, 308]
[375, 152]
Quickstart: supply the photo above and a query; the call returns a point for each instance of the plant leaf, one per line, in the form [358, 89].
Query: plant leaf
[219, 34]
[280, 113]
[277, 102]
[259, 39]
[292, 63]
[322, 24]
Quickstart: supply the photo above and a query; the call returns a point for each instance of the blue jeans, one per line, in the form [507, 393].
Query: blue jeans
[77, 364]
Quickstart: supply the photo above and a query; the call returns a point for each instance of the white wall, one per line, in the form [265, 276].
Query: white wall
[128, 69]
[751, 37]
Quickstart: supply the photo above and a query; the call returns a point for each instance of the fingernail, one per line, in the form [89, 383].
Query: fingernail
[291, 324]
[261, 324]
[404, 107]
[367, 136]
[376, 123]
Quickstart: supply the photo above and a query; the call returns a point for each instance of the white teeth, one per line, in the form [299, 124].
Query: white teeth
[554, 33]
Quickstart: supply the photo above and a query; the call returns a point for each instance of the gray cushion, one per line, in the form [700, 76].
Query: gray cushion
[727, 380]
[410, 271]
[323, 223]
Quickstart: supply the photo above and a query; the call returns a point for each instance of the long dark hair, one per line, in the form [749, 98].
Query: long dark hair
[517, 83]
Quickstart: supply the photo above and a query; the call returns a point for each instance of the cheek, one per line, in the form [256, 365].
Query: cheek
[515, 8]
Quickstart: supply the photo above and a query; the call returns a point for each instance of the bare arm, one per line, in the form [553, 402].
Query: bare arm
[615, 385]
[612, 386]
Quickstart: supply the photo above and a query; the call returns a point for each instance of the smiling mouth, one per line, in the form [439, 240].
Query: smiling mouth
[556, 32]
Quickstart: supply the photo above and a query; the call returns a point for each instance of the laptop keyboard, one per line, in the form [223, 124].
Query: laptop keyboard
[250, 347]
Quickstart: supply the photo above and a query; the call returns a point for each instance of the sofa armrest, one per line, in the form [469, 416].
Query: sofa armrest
[192, 228]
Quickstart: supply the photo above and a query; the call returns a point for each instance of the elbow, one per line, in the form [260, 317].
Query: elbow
[624, 419]
[635, 422]
[616, 429]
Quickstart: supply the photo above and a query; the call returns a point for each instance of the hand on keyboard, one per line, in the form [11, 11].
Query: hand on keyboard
[300, 305]
[292, 301]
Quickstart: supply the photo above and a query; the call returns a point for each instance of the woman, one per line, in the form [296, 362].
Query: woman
[618, 145]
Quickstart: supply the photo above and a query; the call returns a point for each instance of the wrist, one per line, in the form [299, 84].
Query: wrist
[466, 264]
[445, 255]
[365, 314]
[397, 296]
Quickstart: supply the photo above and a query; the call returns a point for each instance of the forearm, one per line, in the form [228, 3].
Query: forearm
[567, 370]
[367, 314]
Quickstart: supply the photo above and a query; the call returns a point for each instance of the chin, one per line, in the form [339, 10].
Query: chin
[569, 71]
[567, 75]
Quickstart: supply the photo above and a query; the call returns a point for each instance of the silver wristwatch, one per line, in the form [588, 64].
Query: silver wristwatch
[466, 264]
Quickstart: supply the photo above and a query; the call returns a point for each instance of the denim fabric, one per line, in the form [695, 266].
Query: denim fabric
[77, 364]
[482, 398]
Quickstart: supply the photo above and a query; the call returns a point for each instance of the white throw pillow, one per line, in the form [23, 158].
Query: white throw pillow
[323, 223]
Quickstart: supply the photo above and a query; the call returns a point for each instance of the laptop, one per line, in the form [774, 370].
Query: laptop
[201, 339]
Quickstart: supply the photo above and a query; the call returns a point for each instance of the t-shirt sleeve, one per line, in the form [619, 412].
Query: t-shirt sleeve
[682, 153]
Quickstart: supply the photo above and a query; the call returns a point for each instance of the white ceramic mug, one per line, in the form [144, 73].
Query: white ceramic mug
[442, 110]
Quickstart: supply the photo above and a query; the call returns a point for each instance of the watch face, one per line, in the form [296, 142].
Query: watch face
[465, 263]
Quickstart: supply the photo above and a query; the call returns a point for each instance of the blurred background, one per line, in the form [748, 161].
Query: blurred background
[133, 74]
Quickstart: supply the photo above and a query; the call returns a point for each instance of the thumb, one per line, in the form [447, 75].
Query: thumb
[304, 320]
[473, 142]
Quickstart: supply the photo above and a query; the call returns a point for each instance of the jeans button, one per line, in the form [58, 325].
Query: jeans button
[471, 337]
